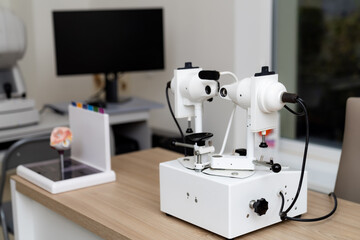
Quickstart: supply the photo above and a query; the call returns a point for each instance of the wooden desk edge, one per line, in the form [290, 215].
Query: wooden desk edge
[47, 199]
[30, 190]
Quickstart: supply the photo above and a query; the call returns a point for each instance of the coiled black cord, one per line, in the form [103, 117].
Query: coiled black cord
[299, 114]
[283, 214]
[284, 217]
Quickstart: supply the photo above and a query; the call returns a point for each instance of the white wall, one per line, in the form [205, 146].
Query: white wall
[5, 3]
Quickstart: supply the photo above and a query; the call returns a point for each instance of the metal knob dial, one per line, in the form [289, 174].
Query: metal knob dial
[260, 206]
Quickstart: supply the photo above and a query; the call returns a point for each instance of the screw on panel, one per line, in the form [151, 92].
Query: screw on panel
[196, 200]
[251, 204]
[248, 215]
[187, 194]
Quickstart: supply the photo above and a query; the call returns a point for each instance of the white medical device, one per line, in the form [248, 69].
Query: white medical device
[15, 109]
[231, 195]
[261, 97]
[191, 87]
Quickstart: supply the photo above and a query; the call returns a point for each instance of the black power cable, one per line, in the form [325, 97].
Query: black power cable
[299, 114]
[283, 214]
[301, 103]
[173, 115]
[284, 217]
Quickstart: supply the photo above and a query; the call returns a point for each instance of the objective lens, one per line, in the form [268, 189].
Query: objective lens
[223, 92]
[208, 90]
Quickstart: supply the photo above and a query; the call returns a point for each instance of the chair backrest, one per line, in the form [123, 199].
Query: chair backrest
[25, 151]
[348, 178]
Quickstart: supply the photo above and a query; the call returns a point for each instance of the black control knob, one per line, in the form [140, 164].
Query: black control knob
[189, 130]
[241, 151]
[260, 206]
[276, 168]
[209, 75]
[263, 145]
[264, 71]
[188, 65]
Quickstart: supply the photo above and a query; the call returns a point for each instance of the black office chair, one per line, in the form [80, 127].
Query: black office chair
[24, 151]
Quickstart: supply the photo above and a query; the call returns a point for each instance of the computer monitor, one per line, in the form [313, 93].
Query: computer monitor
[109, 42]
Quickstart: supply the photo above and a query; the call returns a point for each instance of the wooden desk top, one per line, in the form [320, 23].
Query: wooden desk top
[130, 207]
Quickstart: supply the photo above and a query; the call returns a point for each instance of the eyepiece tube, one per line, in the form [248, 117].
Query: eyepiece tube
[289, 97]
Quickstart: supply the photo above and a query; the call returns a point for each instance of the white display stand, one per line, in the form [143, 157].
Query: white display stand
[90, 148]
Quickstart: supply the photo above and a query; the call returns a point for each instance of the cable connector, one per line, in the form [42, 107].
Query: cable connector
[289, 97]
[283, 216]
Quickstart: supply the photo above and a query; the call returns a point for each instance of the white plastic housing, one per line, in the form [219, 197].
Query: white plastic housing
[238, 92]
[269, 97]
[189, 90]
[262, 95]
[12, 49]
[266, 94]
[12, 39]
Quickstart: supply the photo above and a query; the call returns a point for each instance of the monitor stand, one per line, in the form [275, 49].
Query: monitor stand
[111, 92]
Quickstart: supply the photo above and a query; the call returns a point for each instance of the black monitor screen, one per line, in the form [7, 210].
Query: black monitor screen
[108, 41]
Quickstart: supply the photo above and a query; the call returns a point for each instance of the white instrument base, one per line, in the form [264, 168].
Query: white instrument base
[221, 204]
